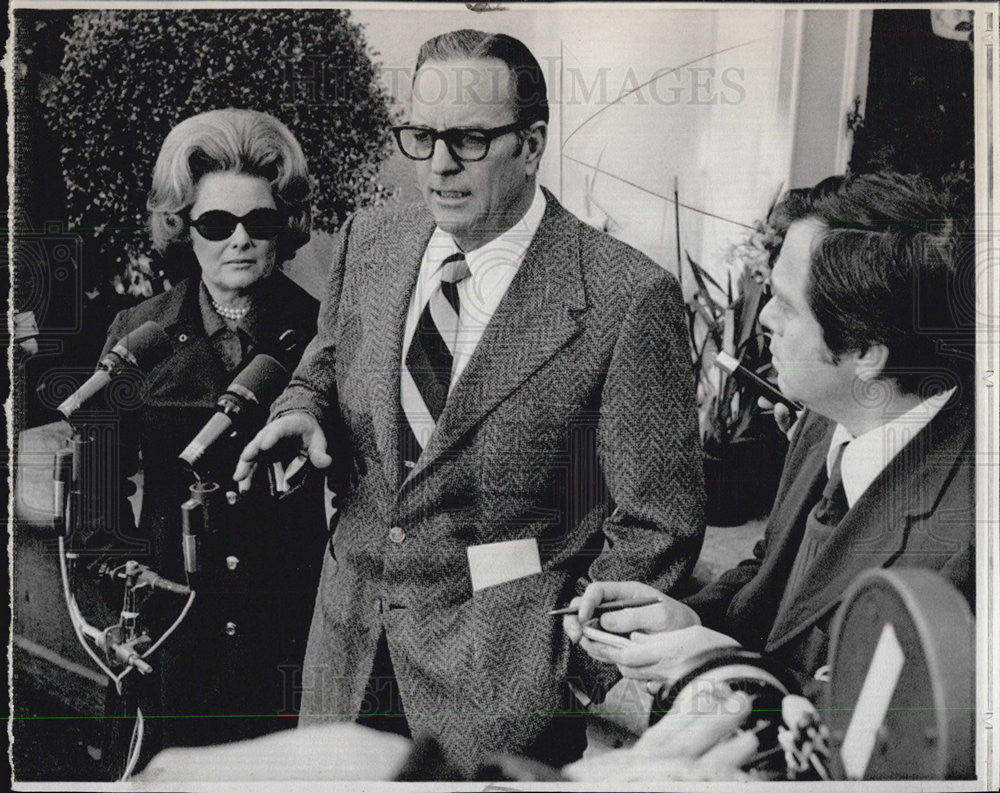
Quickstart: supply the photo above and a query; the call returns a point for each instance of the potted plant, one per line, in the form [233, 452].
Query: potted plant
[743, 449]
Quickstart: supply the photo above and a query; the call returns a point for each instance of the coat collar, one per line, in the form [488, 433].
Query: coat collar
[180, 313]
[878, 527]
[284, 326]
[537, 316]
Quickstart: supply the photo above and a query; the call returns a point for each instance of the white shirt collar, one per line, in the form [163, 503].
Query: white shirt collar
[508, 249]
[867, 455]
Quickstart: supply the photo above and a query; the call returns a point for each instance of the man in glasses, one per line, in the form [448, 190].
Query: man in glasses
[505, 397]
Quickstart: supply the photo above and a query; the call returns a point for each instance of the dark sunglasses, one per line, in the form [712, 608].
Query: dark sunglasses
[260, 224]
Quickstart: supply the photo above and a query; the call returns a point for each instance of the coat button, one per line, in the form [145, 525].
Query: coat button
[397, 535]
[182, 338]
[232, 562]
[230, 629]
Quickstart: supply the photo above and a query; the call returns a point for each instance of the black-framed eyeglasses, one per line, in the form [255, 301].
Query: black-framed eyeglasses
[216, 225]
[466, 144]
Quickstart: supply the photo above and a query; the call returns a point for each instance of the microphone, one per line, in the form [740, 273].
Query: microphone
[730, 365]
[198, 517]
[157, 581]
[253, 390]
[143, 348]
[62, 481]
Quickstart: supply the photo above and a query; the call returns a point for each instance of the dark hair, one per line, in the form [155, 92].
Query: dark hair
[895, 266]
[527, 80]
[237, 141]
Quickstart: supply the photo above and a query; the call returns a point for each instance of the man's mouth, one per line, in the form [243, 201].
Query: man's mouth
[451, 195]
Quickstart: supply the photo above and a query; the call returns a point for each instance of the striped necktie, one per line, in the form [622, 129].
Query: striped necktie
[430, 359]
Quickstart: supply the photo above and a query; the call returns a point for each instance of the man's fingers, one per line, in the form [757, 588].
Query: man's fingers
[245, 465]
[783, 416]
[599, 652]
[654, 687]
[592, 596]
[734, 753]
[571, 624]
[602, 591]
[317, 450]
[718, 724]
[651, 651]
[302, 426]
[644, 618]
[243, 484]
[696, 724]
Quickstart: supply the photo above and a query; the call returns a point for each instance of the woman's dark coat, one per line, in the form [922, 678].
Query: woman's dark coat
[236, 658]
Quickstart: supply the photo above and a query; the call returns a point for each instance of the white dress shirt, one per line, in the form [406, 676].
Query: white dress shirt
[492, 267]
[867, 455]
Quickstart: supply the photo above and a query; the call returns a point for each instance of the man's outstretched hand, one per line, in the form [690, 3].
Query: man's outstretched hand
[298, 430]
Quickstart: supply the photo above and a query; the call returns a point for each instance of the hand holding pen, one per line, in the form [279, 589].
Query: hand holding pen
[663, 613]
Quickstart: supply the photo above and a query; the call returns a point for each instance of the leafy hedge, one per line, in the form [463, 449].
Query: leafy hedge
[919, 111]
[127, 77]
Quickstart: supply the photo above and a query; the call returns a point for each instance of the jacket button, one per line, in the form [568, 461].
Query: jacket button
[182, 338]
[232, 562]
[230, 629]
[397, 535]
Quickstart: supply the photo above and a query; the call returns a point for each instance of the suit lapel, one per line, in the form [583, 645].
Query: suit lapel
[389, 300]
[877, 527]
[536, 318]
[796, 502]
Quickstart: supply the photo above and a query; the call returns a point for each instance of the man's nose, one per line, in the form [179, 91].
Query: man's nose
[766, 316]
[442, 160]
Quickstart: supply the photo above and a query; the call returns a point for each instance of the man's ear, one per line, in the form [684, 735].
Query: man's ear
[871, 363]
[534, 144]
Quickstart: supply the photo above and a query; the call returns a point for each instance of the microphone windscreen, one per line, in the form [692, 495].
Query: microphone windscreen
[145, 347]
[264, 378]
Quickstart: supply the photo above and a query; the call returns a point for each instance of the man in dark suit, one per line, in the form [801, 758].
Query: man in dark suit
[506, 398]
[872, 329]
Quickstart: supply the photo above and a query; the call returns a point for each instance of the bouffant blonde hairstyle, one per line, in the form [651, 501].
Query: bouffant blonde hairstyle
[237, 141]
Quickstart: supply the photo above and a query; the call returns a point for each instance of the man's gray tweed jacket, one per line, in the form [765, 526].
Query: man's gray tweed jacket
[573, 424]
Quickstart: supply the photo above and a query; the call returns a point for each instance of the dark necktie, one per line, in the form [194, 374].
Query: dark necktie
[833, 505]
[430, 359]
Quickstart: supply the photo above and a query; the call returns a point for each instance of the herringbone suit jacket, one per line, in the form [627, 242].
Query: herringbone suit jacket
[919, 512]
[573, 424]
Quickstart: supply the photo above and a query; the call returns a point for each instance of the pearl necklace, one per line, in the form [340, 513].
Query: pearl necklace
[230, 313]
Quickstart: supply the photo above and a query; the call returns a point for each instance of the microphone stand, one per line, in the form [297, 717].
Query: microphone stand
[125, 644]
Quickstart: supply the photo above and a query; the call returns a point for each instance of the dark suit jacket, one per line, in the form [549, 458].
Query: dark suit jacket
[202, 669]
[573, 424]
[919, 512]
